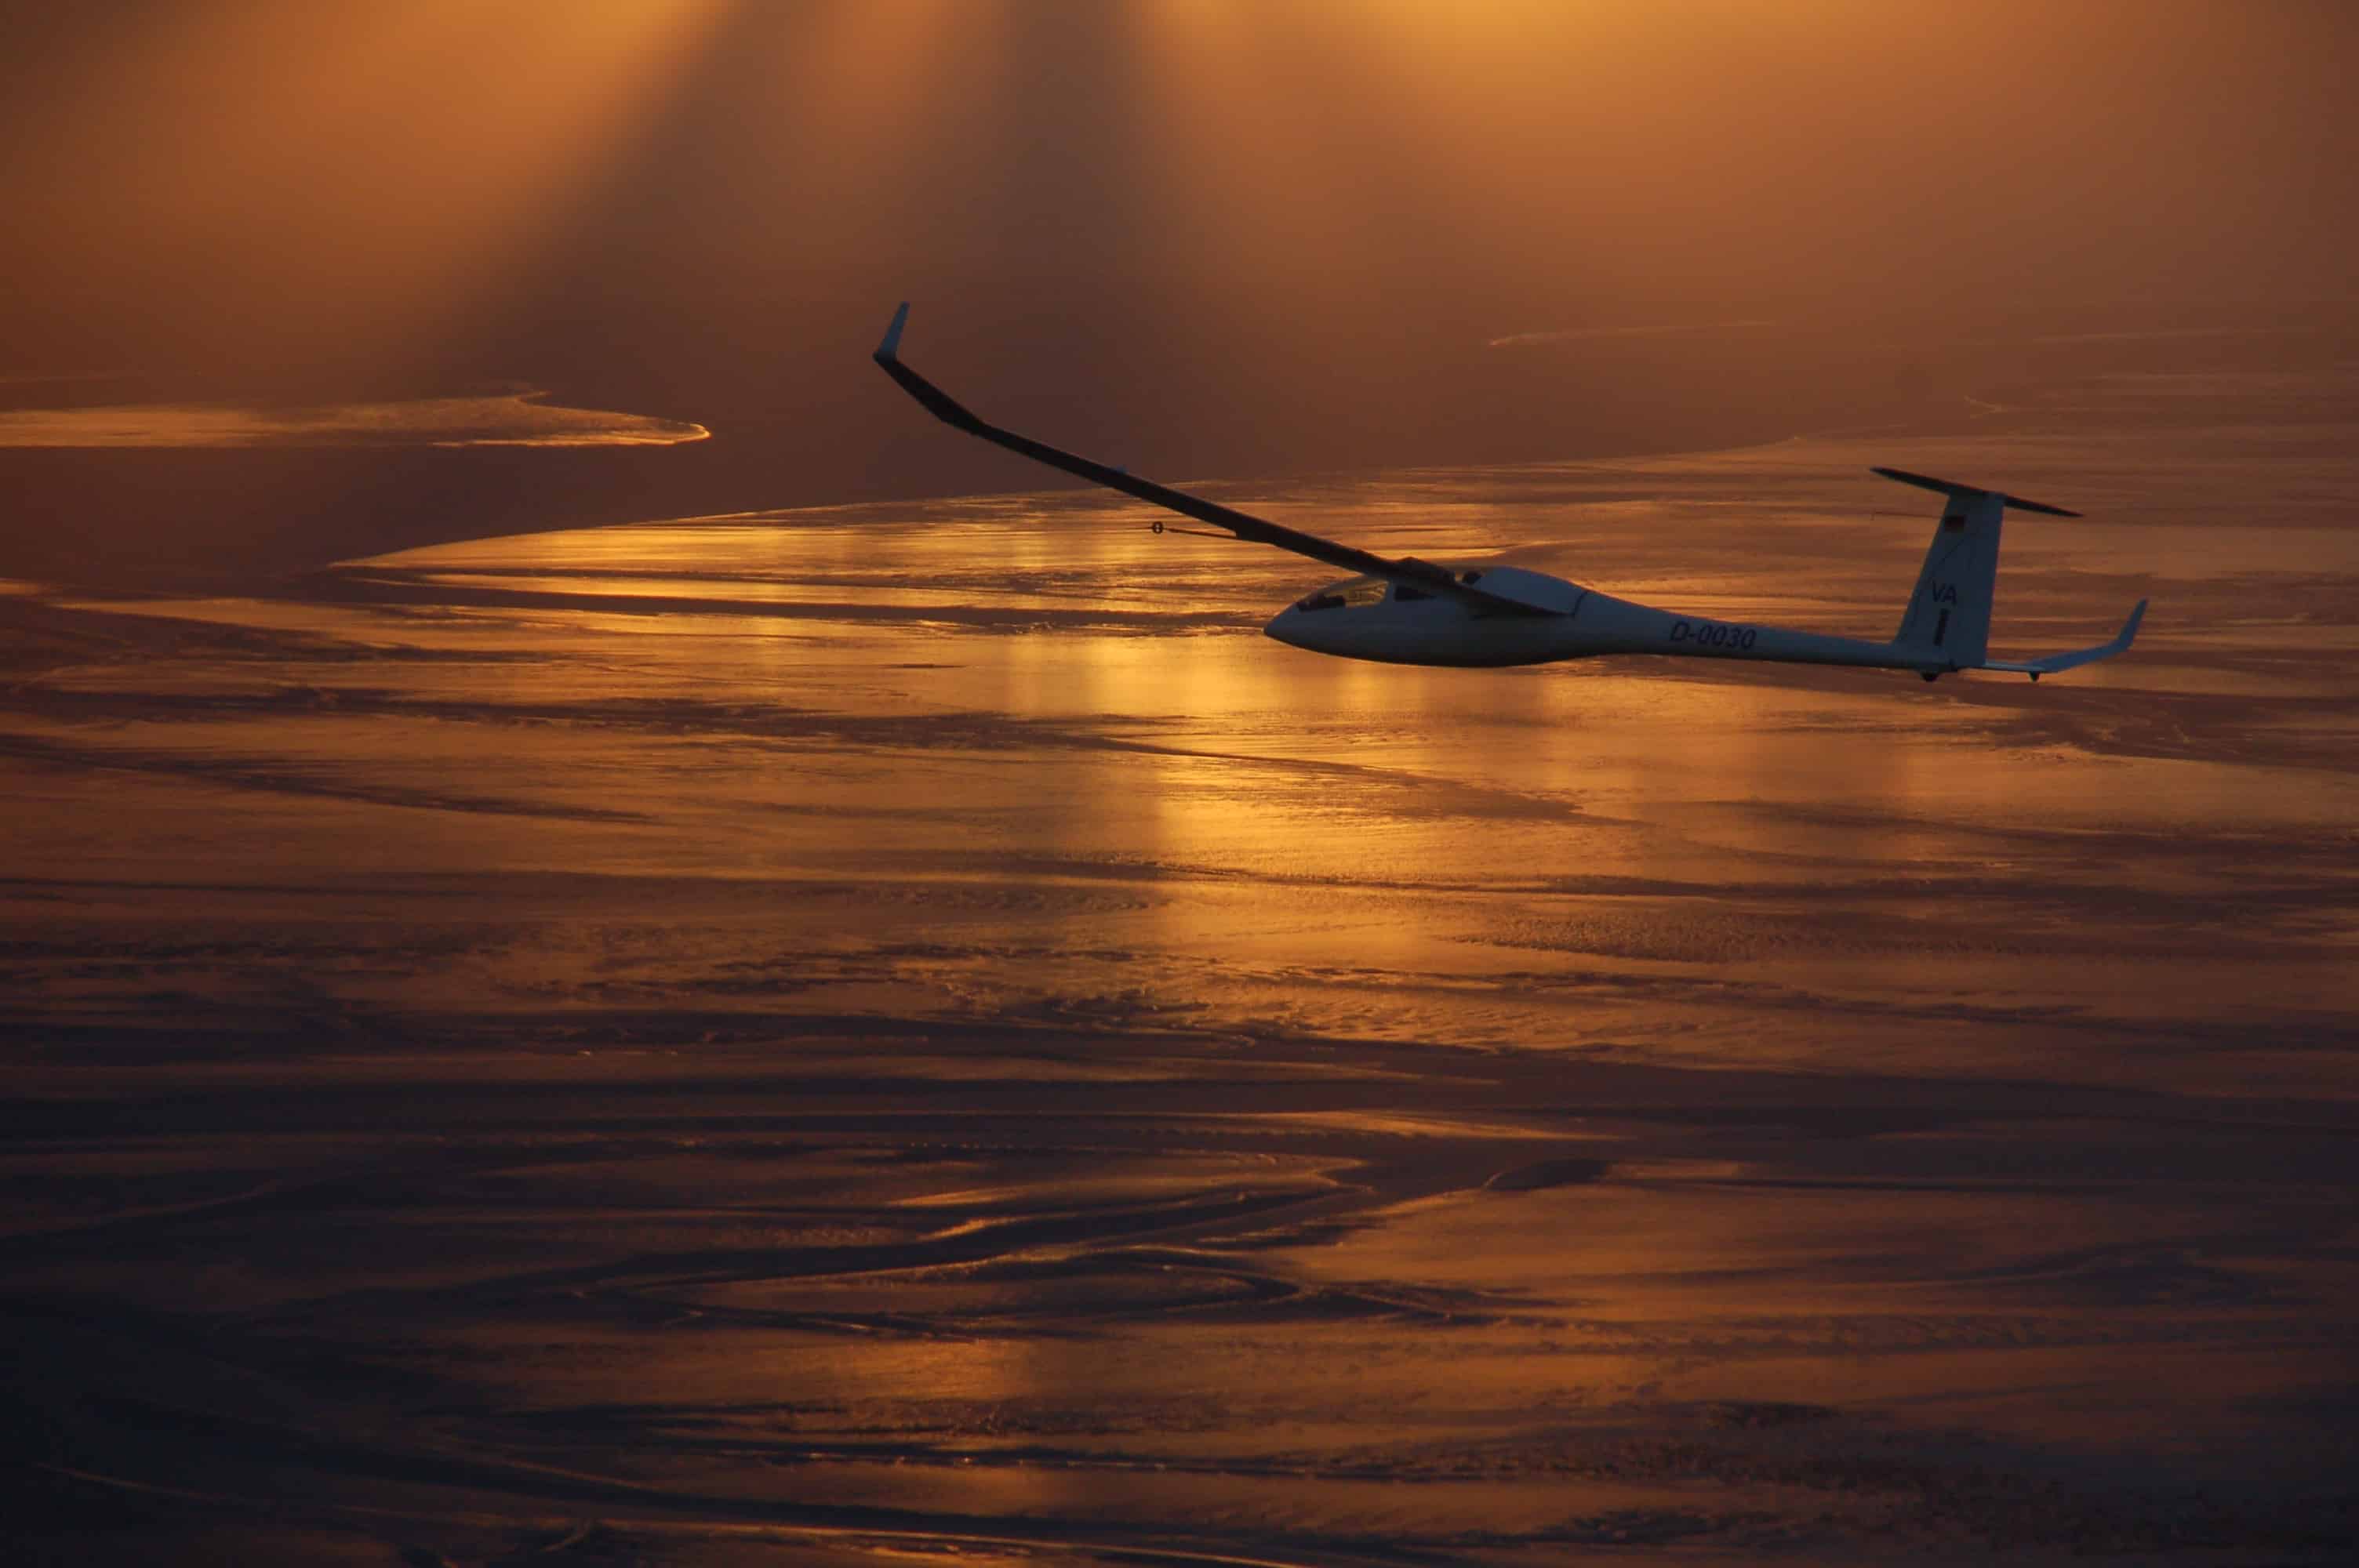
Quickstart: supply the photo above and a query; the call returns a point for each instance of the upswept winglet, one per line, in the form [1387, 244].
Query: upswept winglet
[1421, 575]
[890, 349]
[2034, 668]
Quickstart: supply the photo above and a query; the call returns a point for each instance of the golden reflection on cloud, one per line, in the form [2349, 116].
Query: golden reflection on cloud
[512, 419]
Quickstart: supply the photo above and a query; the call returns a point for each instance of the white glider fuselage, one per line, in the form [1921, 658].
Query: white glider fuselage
[1365, 618]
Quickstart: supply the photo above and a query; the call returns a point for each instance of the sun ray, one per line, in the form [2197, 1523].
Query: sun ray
[283, 175]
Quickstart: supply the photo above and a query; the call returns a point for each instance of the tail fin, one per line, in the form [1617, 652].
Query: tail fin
[1948, 615]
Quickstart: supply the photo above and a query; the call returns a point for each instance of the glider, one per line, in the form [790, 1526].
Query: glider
[1408, 611]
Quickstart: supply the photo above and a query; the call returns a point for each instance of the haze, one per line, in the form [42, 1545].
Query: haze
[1217, 238]
[615, 946]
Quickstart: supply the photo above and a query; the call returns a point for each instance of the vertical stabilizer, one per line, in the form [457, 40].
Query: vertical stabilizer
[1947, 618]
[1948, 615]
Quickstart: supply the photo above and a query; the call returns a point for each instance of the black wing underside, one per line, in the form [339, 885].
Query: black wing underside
[1423, 576]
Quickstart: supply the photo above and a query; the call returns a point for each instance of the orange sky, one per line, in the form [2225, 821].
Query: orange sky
[703, 209]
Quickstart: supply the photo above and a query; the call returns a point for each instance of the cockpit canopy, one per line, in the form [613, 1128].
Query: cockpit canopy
[1352, 593]
[1358, 592]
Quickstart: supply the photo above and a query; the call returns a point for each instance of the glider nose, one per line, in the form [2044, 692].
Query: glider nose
[1286, 627]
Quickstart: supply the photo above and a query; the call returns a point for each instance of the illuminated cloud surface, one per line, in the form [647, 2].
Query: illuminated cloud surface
[511, 420]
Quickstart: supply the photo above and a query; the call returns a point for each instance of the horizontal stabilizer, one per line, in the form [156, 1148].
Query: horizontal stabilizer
[2034, 668]
[1963, 492]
